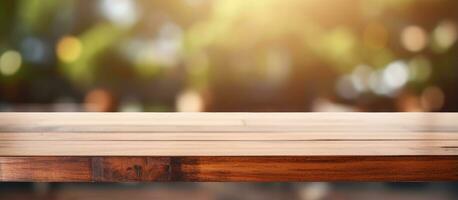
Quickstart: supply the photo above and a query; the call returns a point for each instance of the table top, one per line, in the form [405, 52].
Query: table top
[228, 134]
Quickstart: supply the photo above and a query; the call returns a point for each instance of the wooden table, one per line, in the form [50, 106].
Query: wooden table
[138, 147]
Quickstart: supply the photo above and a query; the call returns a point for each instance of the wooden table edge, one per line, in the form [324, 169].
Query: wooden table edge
[227, 168]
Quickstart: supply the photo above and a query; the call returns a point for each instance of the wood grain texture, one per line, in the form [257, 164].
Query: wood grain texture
[45, 169]
[318, 168]
[130, 169]
[219, 169]
[144, 147]
[228, 134]
[227, 148]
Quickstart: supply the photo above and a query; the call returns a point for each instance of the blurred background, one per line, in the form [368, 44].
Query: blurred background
[230, 191]
[238, 55]
[229, 55]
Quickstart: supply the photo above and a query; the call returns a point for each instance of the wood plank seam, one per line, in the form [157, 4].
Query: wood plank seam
[97, 169]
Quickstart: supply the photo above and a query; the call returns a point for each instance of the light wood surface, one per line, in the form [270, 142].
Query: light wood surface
[228, 134]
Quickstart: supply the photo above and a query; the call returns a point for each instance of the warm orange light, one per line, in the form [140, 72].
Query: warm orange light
[99, 100]
[432, 99]
[414, 38]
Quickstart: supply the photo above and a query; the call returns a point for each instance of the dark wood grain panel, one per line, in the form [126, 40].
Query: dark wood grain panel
[258, 169]
[45, 169]
[328, 168]
[130, 169]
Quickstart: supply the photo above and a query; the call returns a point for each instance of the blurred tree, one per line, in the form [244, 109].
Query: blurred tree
[245, 55]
